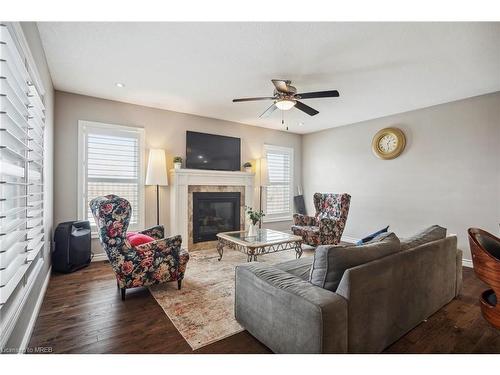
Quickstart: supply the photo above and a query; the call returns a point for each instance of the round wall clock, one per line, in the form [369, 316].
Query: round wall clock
[388, 143]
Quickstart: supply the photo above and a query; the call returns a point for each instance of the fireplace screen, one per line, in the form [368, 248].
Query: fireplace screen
[214, 213]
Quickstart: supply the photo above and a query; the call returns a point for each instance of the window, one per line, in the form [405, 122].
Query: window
[279, 191]
[110, 162]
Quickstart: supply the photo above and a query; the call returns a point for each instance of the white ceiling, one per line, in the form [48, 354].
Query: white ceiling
[379, 68]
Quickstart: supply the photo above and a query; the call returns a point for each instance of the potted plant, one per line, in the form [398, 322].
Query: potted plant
[254, 216]
[248, 167]
[177, 162]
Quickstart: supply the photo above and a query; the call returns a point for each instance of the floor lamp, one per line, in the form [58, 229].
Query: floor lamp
[157, 175]
[264, 181]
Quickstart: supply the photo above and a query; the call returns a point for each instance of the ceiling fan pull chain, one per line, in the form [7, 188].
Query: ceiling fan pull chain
[283, 120]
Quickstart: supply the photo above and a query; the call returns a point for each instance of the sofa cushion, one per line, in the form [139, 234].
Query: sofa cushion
[330, 262]
[298, 267]
[372, 236]
[430, 234]
[381, 237]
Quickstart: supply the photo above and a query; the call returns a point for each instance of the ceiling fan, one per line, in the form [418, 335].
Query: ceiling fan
[285, 97]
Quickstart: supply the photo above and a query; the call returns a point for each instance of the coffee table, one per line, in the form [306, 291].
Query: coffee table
[264, 241]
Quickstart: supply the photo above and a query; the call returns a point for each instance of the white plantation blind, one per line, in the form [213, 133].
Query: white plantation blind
[22, 128]
[111, 163]
[279, 191]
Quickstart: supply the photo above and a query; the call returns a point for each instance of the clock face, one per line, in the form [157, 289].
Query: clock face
[388, 143]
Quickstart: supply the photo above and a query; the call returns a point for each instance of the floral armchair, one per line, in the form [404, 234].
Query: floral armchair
[326, 227]
[147, 264]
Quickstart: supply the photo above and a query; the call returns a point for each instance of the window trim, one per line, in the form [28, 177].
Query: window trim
[289, 215]
[81, 199]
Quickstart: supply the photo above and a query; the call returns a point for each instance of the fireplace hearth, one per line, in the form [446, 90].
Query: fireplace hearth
[215, 212]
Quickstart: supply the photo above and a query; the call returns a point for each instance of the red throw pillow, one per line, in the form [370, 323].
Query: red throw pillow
[137, 239]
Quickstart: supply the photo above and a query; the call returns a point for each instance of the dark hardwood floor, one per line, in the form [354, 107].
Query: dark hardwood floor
[83, 313]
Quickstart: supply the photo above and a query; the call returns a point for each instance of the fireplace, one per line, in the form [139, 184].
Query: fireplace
[215, 212]
[184, 183]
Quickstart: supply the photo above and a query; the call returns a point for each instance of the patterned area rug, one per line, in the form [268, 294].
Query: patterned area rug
[203, 310]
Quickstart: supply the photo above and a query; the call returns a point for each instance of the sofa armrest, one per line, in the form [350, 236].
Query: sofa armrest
[183, 260]
[157, 232]
[165, 246]
[304, 220]
[288, 314]
[151, 263]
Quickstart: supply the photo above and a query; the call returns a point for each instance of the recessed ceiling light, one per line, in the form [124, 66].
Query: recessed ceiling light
[119, 84]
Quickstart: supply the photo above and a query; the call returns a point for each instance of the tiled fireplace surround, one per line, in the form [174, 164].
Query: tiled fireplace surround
[185, 182]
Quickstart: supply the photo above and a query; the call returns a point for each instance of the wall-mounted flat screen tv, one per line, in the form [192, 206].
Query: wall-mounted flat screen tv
[210, 151]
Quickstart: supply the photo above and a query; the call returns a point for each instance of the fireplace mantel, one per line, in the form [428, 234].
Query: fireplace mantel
[181, 179]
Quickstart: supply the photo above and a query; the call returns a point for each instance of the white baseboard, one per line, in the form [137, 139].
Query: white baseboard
[99, 257]
[467, 263]
[31, 324]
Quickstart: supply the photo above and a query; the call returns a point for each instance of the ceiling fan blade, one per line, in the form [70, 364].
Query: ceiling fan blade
[268, 111]
[281, 85]
[319, 94]
[252, 99]
[305, 108]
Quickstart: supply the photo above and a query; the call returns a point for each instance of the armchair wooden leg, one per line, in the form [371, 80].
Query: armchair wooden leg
[179, 284]
[123, 293]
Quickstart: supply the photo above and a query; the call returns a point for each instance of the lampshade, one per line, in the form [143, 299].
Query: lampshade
[157, 168]
[285, 104]
[264, 172]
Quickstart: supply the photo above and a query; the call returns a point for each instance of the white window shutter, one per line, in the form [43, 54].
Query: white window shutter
[22, 127]
[112, 164]
[279, 191]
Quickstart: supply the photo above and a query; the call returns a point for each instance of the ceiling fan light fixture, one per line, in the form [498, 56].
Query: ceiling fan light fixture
[285, 104]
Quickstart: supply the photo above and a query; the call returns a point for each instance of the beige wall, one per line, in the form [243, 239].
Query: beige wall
[449, 173]
[163, 129]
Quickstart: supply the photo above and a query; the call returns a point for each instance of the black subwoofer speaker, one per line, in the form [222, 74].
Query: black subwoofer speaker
[72, 243]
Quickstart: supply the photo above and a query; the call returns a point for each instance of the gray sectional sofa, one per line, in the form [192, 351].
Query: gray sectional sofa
[312, 305]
